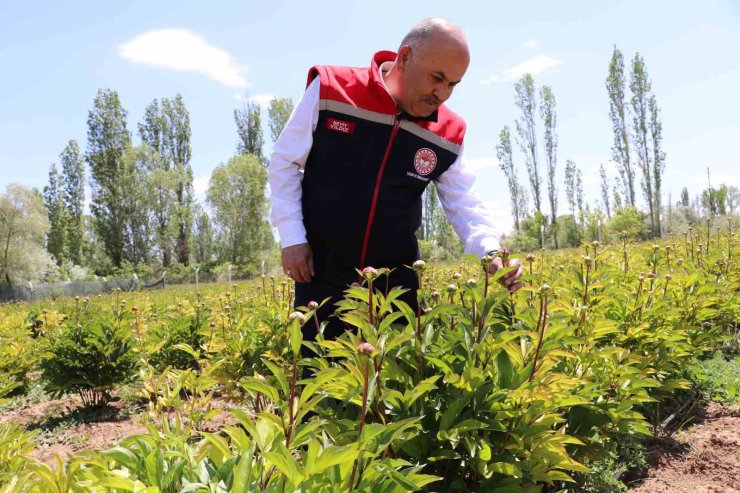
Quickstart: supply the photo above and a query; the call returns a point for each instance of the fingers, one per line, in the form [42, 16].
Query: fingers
[510, 278]
[298, 263]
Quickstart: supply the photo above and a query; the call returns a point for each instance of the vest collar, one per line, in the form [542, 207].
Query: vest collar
[377, 78]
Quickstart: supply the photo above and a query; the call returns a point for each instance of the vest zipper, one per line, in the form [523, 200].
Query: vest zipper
[374, 202]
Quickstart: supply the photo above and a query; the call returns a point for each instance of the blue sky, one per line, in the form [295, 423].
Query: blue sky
[55, 55]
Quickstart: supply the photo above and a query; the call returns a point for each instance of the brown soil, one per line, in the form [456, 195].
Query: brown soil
[704, 458]
[93, 429]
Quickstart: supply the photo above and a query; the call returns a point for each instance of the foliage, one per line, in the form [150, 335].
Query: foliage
[517, 192]
[717, 379]
[89, 355]
[628, 222]
[107, 138]
[279, 112]
[235, 193]
[23, 227]
[249, 129]
[479, 391]
[526, 101]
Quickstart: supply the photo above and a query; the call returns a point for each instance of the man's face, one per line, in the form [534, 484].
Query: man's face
[429, 74]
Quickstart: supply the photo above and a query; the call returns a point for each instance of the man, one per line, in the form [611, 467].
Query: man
[369, 141]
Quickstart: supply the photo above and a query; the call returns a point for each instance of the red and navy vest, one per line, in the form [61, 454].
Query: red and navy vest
[367, 170]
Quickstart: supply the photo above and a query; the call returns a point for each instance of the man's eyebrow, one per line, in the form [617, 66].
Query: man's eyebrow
[442, 74]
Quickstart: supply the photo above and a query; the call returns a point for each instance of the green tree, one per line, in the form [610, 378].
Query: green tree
[279, 112]
[628, 221]
[23, 228]
[56, 209]
[506, 162]
[617, 198]
[549, 121]
[640, 87]
[618, 112]
[179, 153]
[571, 181]
[249, 128]
[236, 194]
[166, 129]
[656, 134]
[685, 202]
[605, 190]
[73, 183]
[107, 138]
[526, 101]
[135, 185]
[202, 236]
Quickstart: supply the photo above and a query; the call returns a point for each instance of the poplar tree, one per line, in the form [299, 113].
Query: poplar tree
[73, 184]
[249, 129]
[619, 114]
[526, 101]
[640, 87]
[549, 121]
[107, 138]
[656, 134]
[56, 210]
[605, 190]
[166, 130]
[506, 162]
[279, 113]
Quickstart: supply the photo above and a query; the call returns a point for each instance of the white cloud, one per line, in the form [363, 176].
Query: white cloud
[200, 185]
[530, 43]
[479, 164]
[184, 51]
[534, 66]
[261, 99]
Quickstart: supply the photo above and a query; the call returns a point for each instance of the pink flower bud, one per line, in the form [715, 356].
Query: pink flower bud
[365, 348]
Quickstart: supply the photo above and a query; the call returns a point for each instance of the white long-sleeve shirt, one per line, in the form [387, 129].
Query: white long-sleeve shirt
[464, 209]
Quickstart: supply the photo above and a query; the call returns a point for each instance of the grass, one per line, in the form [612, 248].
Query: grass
[717, 379]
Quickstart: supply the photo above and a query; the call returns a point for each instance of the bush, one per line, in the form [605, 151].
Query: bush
[89, 358]
[628, 221]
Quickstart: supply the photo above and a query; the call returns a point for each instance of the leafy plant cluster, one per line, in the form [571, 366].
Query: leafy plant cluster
[477, 390]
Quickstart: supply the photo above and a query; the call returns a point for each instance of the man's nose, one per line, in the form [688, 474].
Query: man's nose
[442, 92]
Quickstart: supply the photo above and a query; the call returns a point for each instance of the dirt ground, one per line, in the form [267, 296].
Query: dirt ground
[703, 458]
[66, 428]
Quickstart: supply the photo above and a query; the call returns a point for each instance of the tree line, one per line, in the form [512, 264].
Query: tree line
[142, 209]
[636, 148]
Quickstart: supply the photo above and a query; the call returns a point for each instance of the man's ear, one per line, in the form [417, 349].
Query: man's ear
[404, 55]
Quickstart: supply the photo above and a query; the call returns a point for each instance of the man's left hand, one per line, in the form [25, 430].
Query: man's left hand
[510, 279]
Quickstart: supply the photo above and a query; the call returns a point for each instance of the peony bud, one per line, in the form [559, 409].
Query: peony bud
[530, 257]
[297, 316]
[369, 273]
[365, 348]
[419, 265]
[312, 305]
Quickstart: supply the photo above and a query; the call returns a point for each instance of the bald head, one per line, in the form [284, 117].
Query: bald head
[434, 30]
[431, 61]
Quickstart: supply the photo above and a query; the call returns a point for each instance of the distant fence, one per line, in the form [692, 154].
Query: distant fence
[30, 292]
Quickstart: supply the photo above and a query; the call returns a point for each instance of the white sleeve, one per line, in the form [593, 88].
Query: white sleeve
[287, 160]
[465, 210]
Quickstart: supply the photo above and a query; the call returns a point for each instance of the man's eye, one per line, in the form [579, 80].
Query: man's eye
[436, 78]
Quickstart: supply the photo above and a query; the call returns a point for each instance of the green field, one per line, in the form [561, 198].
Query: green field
[482, 391]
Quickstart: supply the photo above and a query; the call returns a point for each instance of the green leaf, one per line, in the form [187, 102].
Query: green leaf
[506, 468]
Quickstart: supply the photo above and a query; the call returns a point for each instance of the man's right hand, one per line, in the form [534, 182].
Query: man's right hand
[298, 262]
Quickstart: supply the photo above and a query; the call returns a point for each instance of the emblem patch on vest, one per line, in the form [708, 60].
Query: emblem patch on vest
[424, 161]
[340, 126]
